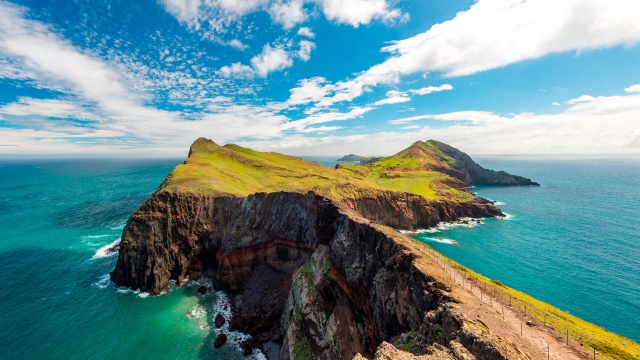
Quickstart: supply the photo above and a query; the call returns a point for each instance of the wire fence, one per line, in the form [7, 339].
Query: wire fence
[498, 299]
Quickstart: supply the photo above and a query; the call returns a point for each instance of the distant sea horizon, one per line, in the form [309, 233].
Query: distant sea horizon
[572, 243]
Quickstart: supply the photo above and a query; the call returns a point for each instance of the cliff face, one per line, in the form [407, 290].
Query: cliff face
[174, 235]
[309, 275]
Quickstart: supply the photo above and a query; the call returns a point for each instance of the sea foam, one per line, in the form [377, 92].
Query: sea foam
[222, 306]
[102, 282]
[107, 250]
[443, 240]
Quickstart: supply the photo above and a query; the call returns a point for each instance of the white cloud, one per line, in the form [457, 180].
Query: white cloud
[235, 6]
[473, 116]
[186, 11]
[288, 14]
[214, 18]
[633, 89]
[605, 126]
[271, 59]
[331, 116]
[430, 89]
[393, 97]
[56, 62]
[26, 106]
[305, 31]
[493, 34]
[237, 71]
[321, 129]
[322, 93]
[304, 52]
[308, 91]
[359, 12]
[581, 99]
[237, 44]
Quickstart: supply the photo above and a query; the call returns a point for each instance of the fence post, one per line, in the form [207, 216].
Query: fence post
[567, 336]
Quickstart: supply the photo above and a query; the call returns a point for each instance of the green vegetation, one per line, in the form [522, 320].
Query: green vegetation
[306, 275]
[235, 170]
[420, 169]
[301, 350]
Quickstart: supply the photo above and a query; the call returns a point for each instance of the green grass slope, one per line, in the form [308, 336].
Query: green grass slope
[235, 170]
[439, 157]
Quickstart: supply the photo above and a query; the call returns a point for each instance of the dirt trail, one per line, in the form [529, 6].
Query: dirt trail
[538, 341]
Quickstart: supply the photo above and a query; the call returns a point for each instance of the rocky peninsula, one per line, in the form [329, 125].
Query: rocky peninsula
[312, 257]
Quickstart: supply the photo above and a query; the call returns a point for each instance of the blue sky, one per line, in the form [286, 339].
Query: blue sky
[319, 77]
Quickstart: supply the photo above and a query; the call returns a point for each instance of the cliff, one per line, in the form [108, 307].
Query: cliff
[309, 254]
[439, 157]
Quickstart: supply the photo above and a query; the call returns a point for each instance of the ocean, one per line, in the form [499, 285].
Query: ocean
[572, 242]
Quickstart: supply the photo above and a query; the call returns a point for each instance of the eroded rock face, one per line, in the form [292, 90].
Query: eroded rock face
[307, 277]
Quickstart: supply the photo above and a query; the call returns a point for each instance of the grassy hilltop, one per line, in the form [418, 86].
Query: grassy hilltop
[235, 170]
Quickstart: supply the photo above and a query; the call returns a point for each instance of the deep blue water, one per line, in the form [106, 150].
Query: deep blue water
[573, 243]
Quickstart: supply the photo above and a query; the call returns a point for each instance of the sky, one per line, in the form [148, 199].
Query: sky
[145, 78]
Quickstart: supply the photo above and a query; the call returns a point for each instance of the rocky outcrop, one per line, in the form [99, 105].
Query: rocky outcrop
[470, 172]
[363, 160]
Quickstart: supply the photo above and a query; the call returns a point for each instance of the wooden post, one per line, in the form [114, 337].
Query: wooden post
[567, 336]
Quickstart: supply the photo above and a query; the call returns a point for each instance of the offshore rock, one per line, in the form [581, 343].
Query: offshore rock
[221, 339]
[219, 321]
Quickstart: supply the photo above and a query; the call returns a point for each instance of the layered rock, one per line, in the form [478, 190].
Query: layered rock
[306, 273]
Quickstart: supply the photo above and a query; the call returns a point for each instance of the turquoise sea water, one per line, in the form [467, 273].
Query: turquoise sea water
[573, 243]
[55, 298]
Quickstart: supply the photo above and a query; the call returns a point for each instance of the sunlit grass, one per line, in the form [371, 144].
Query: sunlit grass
[235, 170]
